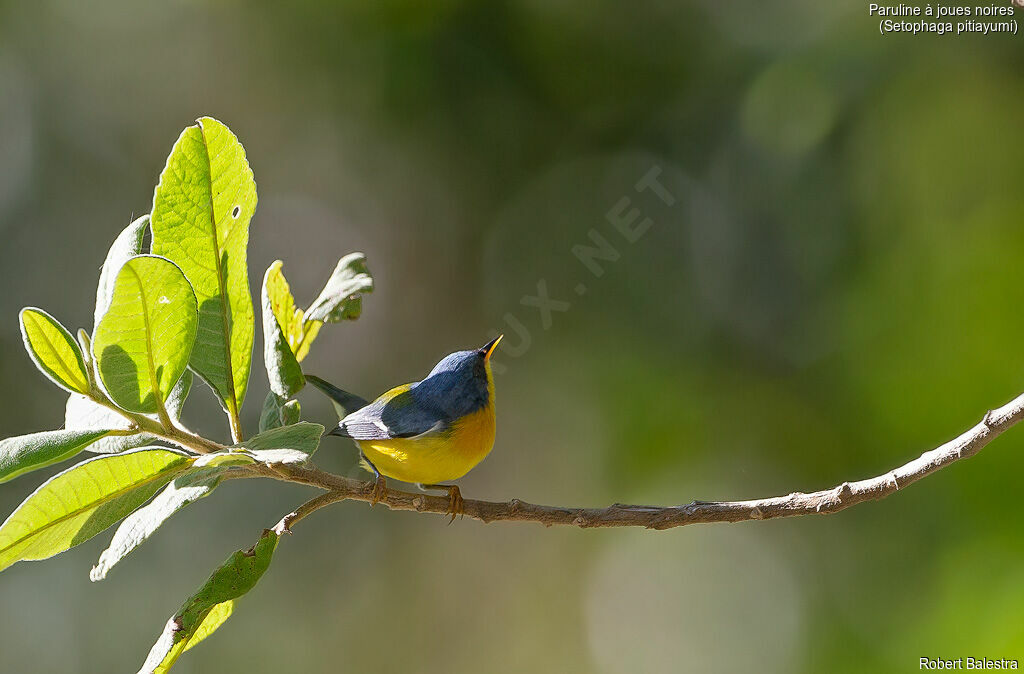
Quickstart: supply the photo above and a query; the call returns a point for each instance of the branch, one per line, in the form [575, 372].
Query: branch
[824, 502]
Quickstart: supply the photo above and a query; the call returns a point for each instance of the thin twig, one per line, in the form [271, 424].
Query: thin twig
[310, 506]
[823, 502]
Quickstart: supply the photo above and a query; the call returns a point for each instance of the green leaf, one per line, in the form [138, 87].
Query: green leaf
[299, 332]
[288, 444]
[291, 412]
[193, 621]
[206, 474]
[142, 523]
[283, 334]
[214, 619]
[142, 344]
[127, 245]
[201, 212]
[278, 412]
[26, 453]
[270, 415]
[54, 350]
[341, 297]
[75, 505]
[288, 332]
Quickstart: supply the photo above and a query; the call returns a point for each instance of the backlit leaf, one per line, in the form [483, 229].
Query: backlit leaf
[127, 245]
[283, 334]
[25, 453]
[341, 297]
[214, 619]
[142, 344]
[54, 350]
[200, 221]
[75, 505]
[142, 523]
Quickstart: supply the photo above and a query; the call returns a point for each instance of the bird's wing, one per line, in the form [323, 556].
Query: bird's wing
[396, 414]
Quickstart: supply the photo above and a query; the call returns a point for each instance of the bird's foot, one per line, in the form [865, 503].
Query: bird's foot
[380, 489]
[456, 504]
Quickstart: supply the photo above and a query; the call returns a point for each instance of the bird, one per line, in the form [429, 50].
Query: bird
[426, 432]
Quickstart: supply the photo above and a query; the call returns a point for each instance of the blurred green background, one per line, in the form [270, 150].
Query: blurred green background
[836, 288]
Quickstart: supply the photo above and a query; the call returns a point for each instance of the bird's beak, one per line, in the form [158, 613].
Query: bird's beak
[488, 348]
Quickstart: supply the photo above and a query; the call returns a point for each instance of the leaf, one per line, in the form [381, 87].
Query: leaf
[270, 415]
[54, 350]
[298, 332]
[141, 524]
[278, 412]
[214, 619]
[291, 412]
[75, 505]
[142, 344]
[283, 334]
[193, 621]
[26, 453]
[127, 245]
[178, 394]
[228, 457]
[303, 436]
[207, 474]
[85, 348]
[81, 413]
[200, 221]
[288, 332]
[340, 298]
[288, 444]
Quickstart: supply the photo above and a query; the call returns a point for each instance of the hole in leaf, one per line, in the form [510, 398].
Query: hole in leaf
[236, 211]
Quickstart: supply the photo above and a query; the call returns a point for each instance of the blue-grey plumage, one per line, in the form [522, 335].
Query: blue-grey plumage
[455, 388]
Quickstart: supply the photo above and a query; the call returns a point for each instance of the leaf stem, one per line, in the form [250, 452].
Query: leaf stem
[161, 410]
[192, 441]
[165, 431]
[236, 425]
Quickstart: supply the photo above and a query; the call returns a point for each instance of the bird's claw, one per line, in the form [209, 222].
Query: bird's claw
[456, 504]
[380, 489]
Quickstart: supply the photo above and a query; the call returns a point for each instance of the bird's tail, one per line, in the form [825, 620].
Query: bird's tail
[345, 403]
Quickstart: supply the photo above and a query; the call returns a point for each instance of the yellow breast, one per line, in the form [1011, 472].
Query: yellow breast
[439, 457]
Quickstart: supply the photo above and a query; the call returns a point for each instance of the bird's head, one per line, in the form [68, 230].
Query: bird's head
[461, 383]
[466, 365]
